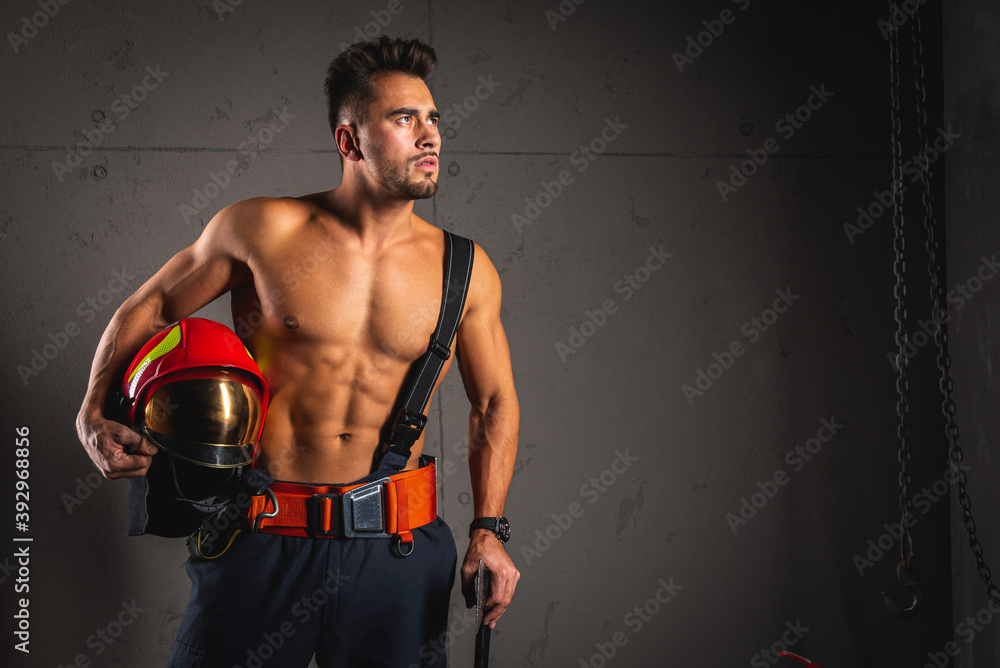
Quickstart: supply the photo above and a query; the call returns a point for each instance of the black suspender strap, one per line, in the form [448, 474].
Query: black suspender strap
[410, 420]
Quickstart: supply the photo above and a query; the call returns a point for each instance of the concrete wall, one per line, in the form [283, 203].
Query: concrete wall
[972, 106]
[673, 515]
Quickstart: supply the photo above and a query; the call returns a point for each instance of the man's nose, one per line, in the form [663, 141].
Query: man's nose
[430, 136]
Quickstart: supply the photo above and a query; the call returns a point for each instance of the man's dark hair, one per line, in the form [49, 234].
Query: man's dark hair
[348, 85]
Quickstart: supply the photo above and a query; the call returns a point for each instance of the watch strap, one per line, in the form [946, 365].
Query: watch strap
[494, 524]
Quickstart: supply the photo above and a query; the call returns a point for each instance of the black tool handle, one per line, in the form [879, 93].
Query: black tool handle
[483, 632]
[482, 647]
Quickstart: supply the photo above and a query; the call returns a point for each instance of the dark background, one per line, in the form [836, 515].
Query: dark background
[233, 69]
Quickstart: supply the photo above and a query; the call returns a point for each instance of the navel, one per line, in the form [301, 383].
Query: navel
[291, 322]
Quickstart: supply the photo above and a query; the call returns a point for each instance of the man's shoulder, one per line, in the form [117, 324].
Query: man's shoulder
[482, 267]
[258, 218]
[484, 284]
[270, 210]
[483, 270]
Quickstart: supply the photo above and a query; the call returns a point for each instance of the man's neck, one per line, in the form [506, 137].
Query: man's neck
[376, 221]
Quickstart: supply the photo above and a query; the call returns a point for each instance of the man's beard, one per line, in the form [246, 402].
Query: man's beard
[398, 179]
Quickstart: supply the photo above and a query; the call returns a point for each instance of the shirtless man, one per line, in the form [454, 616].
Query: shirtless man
[335, 344]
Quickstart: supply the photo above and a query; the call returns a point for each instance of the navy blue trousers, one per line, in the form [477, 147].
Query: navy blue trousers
[274, 601]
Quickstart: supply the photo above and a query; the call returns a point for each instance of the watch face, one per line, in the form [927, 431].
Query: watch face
[504, 530]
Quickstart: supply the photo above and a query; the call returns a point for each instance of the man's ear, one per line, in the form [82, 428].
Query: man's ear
[347, 142]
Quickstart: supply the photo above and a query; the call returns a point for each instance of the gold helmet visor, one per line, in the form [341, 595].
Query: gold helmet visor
[208, 421]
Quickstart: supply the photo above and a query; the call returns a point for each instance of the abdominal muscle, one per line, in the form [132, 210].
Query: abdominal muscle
[325, 420]
[335, 342]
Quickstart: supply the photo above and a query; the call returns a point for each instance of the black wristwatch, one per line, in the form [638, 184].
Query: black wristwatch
[497, 525]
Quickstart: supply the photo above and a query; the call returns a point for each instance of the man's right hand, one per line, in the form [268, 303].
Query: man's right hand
[118, 451]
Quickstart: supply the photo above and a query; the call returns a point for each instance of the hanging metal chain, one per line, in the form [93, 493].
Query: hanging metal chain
[939, 315]
[906, 565]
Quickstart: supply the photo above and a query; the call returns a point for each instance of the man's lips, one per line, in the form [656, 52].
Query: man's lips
[428, 164]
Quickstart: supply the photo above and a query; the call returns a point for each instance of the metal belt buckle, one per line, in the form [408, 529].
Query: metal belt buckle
[364, 511]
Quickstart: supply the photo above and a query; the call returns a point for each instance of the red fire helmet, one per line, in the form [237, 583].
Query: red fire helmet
[195, 390]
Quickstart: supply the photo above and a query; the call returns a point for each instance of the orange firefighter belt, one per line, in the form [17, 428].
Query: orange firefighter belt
[386, 507]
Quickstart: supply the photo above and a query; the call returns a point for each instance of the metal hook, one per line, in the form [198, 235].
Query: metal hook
[907, 579]
[260, 518]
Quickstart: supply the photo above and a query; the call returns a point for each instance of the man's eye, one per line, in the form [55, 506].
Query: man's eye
[432, 120]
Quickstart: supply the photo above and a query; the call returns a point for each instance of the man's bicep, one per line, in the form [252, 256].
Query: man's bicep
[483, 350]
[484, 362]
[200, 273]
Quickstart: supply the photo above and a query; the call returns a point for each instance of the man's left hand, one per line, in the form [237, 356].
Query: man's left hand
[503, 574]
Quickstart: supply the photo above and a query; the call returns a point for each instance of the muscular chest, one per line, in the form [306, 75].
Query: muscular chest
[313, 290]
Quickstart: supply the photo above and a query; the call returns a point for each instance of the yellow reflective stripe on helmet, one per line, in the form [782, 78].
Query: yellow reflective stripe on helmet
[249, 353]
[168, 343]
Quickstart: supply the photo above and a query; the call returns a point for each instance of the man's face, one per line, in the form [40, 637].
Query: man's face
[402, 132]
